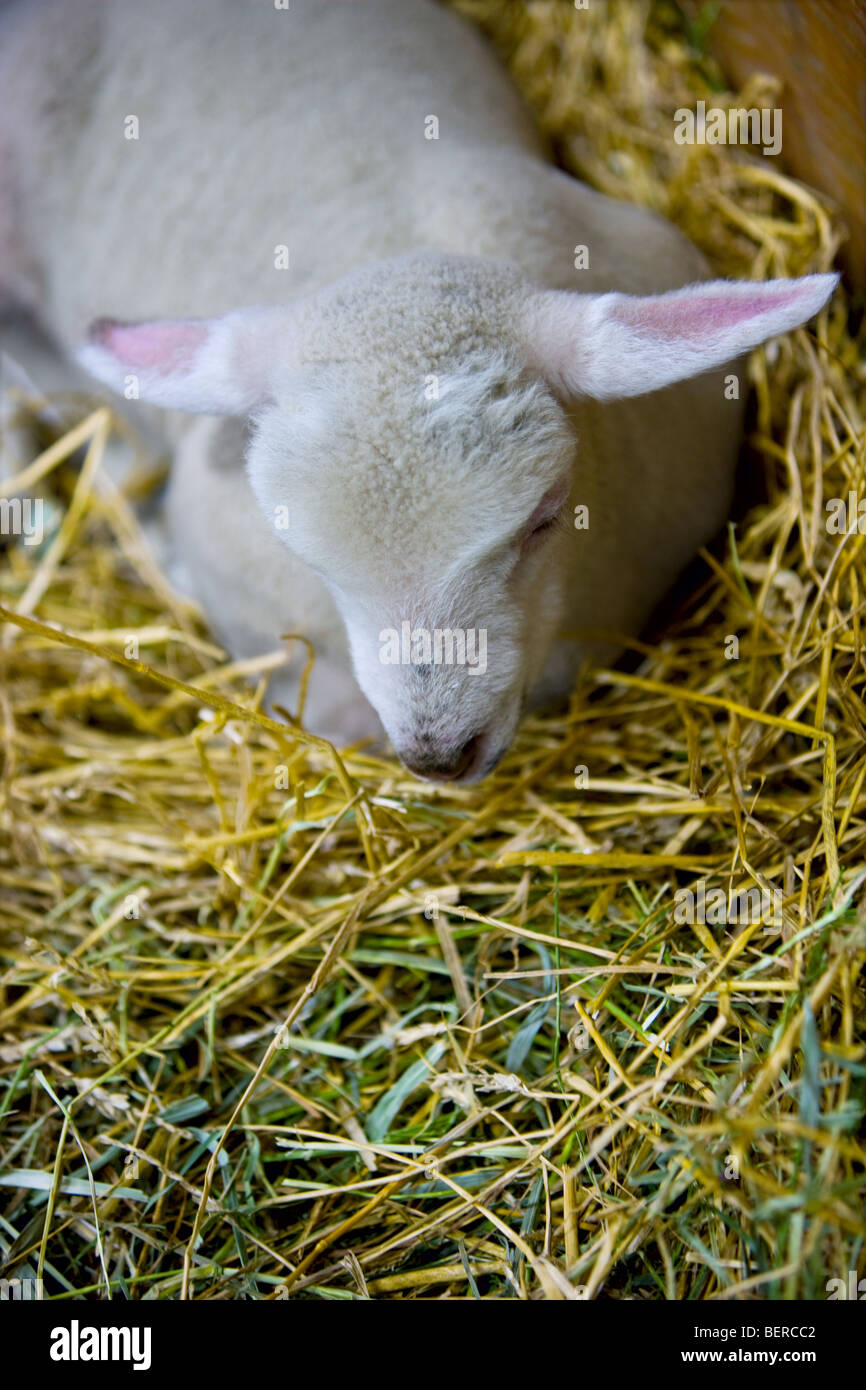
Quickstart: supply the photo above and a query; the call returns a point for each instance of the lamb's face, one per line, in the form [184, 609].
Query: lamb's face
[432, 505]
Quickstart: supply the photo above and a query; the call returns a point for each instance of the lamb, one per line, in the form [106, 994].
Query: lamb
[327, 241]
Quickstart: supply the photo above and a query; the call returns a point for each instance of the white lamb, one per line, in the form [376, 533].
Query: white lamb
[425, 388]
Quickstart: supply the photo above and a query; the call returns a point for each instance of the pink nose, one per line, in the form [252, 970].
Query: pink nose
[439, 765]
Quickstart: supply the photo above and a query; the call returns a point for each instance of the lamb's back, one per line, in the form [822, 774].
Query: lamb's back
[257, 128]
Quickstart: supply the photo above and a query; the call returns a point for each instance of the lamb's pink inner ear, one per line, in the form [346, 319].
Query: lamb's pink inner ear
[163, 346]
[697, 316]
[613, 345]
[217, 366]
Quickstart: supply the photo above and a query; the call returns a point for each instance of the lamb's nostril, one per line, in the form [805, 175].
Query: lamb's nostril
[439, 767]
[465, 758]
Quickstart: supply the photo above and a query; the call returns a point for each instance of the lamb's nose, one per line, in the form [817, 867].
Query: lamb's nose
[443, 767]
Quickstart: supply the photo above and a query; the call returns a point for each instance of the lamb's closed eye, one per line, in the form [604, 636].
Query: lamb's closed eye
[545, 517]
[542, 527]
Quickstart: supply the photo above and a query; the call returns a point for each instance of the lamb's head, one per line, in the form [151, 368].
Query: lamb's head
[411, 441]
[429, 502]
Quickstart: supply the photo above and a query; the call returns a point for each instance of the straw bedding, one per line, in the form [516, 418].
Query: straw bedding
[279, 1023]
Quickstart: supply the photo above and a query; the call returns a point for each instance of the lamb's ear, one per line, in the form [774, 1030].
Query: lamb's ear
[218, 366]
[614, 345]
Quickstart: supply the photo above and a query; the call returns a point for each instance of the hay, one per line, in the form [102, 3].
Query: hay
[279, 1023]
